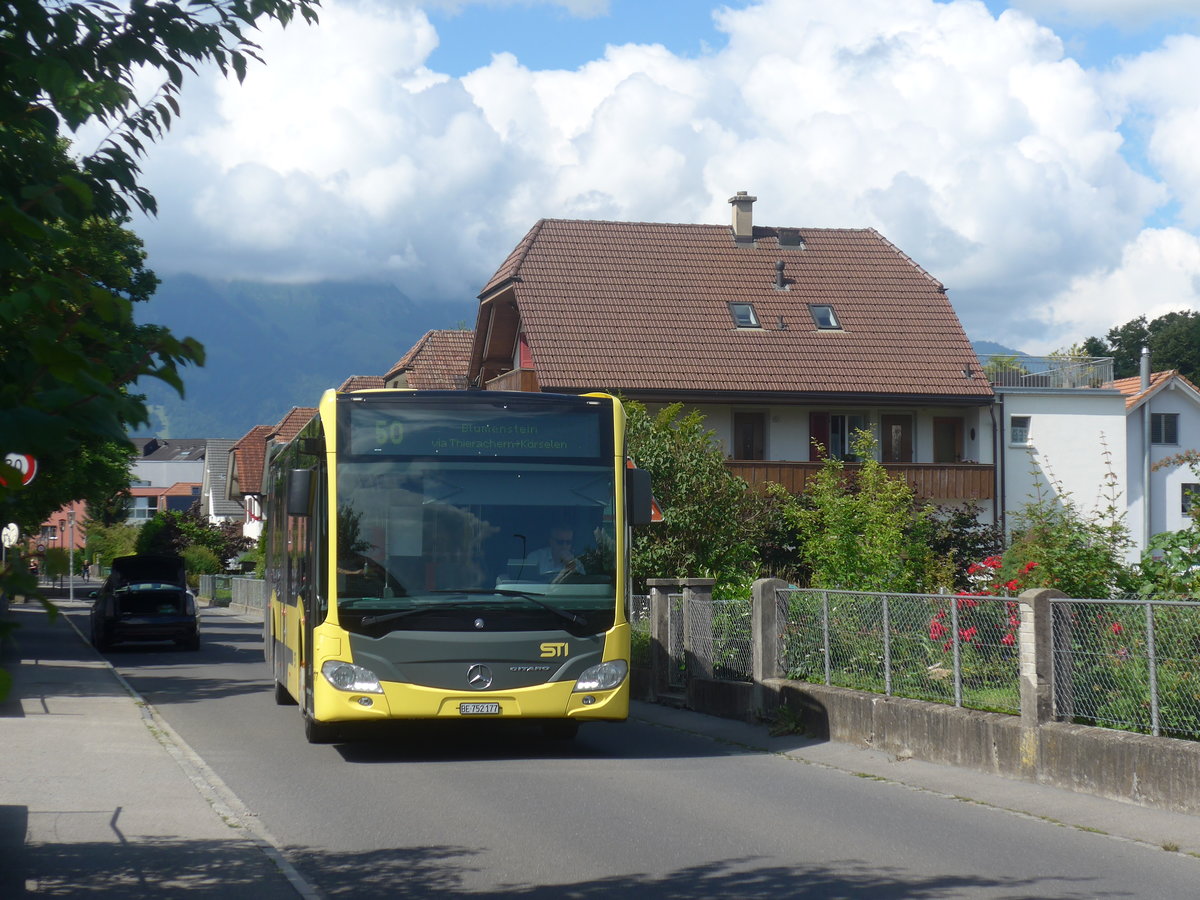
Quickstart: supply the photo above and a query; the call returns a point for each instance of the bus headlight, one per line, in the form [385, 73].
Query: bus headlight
[348, 677]
[603, 677]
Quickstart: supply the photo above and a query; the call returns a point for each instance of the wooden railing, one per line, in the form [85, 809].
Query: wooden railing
[515, 380]
[930, 481]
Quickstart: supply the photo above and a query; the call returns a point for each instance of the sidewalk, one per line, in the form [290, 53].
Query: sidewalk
[95, 794]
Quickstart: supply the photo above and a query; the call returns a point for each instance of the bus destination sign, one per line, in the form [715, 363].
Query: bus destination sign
[410, 430]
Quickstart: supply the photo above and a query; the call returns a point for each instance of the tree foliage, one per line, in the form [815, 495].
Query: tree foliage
[69, 274]
[1173, 339]
[106, 542]
[170, 532]
[707, 510]
[865, 531]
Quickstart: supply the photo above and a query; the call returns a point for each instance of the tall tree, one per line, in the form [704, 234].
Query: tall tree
[1173, 339]
[70, 347]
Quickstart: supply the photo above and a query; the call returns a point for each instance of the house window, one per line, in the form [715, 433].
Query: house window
[1164, 428]
[832, 435]
[825, 317]
[1018, 430]
[744, 315]
[1190, 497]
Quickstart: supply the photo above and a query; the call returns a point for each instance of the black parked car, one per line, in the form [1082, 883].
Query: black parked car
[146, 598]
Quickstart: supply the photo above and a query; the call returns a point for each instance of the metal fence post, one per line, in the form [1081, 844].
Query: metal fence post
[887, 649]
[825, 632]
[957, 651]
[1152, 670]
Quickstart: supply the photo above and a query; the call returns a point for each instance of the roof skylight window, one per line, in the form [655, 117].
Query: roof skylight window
[744, 315]
[825, 318]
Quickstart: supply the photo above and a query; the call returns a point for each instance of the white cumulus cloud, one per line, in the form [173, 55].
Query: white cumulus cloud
[972, 141]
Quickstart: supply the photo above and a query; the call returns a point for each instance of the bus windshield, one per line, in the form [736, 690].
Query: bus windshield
[435, 544]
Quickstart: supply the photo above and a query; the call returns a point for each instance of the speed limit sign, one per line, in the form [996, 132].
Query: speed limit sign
[23, 463]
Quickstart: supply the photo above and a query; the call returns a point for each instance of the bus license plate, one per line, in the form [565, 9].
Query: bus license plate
[479, 709]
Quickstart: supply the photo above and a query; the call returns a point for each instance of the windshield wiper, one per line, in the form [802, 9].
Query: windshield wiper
[392, 616]
[564, 613]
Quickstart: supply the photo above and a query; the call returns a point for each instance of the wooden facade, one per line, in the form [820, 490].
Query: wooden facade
[929, 481]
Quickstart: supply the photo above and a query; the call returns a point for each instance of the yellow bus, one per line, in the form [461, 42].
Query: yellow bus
[452, 554]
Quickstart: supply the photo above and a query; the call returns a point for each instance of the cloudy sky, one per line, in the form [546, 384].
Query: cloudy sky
[1039, 157]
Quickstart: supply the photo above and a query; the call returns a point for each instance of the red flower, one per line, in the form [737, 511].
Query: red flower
[1116, 628]
[966, 602]
[937, 630]
[967, 633]
[993, 562]
[1028, 567]
[1011, 585]
[974, 569]
[1009, 639]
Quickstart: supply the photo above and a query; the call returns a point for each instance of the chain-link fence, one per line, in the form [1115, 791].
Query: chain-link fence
[940, 647]
[720, 634]
[677, 673]
[1132, 664]
[640, 628]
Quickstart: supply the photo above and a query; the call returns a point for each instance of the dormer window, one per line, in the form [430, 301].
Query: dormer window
[825, 318]
[744, 315]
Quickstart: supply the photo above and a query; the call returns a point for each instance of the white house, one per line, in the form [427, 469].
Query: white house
[1162, 419]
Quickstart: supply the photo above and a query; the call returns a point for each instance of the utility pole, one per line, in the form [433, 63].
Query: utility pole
[71, 553]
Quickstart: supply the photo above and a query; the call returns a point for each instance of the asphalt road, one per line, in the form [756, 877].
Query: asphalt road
[638, 808]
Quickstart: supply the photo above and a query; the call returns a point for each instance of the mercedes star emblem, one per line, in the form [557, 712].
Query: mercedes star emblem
[479, 677]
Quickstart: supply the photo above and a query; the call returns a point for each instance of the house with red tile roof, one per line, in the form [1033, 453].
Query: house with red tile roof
[247, 464]
[437, 362]
[786, 339]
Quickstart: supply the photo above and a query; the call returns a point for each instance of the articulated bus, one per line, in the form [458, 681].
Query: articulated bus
[452, 554]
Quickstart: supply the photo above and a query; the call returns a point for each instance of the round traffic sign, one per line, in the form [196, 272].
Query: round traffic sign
[24, 463]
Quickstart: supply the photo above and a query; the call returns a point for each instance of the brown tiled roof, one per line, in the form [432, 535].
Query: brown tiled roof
[437, 362]
[246, 461]
[1132, 387]
[362, 383]
[292, 424]
[644, 308]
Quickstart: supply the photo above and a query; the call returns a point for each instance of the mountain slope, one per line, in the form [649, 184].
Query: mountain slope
[271, 347]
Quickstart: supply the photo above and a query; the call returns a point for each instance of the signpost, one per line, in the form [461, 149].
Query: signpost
[8, 538]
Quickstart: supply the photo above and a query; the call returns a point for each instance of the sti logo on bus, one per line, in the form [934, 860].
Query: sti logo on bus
[553, 649]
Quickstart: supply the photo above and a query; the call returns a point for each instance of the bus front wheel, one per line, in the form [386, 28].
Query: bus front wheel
[318, 732]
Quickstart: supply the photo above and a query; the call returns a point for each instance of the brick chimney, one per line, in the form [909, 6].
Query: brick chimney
[743, 217]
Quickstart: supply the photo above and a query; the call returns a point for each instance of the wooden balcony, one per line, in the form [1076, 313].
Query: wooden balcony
[515, 380]
[929, 481]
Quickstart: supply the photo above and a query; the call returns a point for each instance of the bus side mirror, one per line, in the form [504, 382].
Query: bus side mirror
[638, 497]
[299, 488]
